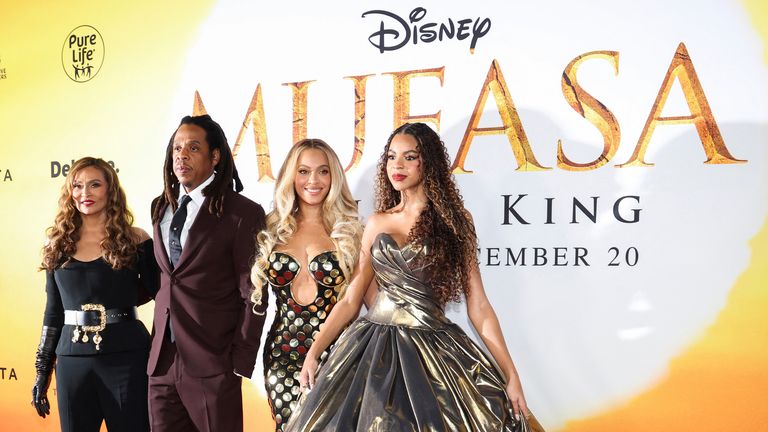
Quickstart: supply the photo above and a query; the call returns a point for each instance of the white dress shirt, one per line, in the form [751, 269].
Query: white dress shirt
[193, 207]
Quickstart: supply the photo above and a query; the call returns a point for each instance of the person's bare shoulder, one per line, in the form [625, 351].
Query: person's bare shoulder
[373, 220]
[375, 224]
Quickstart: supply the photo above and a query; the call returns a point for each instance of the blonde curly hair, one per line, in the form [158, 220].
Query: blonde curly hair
[340, 217]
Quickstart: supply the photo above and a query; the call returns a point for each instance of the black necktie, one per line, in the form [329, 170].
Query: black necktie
[177, 223]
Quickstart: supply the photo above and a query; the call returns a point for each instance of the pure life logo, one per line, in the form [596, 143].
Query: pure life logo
[83, 53]
[395, 32]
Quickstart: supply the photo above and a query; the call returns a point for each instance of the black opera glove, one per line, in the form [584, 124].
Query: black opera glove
[44, 360]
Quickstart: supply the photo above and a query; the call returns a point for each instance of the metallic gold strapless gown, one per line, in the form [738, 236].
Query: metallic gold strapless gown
[404, 366]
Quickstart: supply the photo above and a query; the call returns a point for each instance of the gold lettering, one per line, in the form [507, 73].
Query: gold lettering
[701, 114]
[255, 116]
[198, 108]
[592, 110]
[359, 146]
[402, 101]
[512, 127]
[300, 90]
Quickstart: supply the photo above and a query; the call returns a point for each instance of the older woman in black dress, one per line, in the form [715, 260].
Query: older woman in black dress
[98, 270]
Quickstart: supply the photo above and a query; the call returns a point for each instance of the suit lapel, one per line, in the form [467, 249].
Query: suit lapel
[161, 253]
[201, 228]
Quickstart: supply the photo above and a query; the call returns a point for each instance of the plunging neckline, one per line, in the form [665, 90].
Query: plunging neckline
[296, 273]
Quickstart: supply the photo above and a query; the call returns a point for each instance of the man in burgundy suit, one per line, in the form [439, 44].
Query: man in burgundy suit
[205, 335]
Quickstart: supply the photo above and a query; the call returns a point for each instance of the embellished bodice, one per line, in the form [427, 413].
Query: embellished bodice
[324, 267]
[296, 325]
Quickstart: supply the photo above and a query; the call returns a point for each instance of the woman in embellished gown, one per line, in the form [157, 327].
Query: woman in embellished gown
[404, 366]
[98, 270]
[306, 254]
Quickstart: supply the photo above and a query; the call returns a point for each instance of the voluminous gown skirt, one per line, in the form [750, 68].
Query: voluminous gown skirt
[404, 366]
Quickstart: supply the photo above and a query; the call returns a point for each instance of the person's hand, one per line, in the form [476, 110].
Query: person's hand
[515, 394]
[307, 376]
[44, 361]
[40, 395]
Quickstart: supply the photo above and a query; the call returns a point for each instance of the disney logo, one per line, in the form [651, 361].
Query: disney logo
[395, 32]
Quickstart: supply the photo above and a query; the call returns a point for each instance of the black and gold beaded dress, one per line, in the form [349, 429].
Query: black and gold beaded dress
[295, 326]
[405, 366]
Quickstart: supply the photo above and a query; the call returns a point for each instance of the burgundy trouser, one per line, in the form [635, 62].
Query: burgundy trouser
[183, 403]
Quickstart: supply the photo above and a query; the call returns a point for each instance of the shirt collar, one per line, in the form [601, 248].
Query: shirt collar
[196, 194]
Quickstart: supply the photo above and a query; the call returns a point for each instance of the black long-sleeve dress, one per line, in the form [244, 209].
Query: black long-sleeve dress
[108, 383]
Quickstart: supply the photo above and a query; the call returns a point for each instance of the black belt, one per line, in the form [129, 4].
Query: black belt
[94, 317]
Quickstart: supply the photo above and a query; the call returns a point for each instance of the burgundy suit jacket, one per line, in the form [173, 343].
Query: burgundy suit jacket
[207, 294]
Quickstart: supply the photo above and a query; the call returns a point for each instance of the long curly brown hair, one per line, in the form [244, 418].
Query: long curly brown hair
[444, 225]
[119, 244]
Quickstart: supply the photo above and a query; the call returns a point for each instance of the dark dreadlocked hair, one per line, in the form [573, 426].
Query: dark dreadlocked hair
[444, 224]
[226, 173]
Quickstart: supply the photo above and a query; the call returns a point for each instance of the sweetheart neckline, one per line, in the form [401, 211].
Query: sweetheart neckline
[400, 248]
[308, 262]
